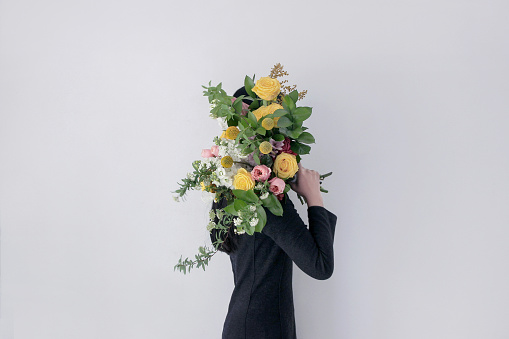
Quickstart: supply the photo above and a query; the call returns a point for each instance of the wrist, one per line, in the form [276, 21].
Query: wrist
[314, 201]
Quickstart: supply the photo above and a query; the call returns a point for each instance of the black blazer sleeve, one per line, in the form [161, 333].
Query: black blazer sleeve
[310, 249]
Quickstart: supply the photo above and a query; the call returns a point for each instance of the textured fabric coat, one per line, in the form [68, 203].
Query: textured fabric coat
[261, 304]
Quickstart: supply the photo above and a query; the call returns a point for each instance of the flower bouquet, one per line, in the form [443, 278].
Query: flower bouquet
[253, 161]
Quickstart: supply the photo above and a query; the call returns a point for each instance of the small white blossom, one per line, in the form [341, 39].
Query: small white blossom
[252, 208]
[210, 226]
[264, 195]
[237, 221]
[259, 186]
[253, 222]
[239, 232]
[176, 198]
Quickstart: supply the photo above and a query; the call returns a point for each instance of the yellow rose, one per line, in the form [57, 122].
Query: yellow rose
[267, 88]
[271, 109]
[266, 110]
[285, 166]
[242, 180]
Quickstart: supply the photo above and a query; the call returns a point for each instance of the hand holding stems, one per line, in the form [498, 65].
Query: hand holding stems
[308, 186]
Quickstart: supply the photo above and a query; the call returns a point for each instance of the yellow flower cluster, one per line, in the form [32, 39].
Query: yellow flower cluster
[232, 132]
[265, 147]
[227, 161]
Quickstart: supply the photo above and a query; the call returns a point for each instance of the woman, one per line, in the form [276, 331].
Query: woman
[261, 304]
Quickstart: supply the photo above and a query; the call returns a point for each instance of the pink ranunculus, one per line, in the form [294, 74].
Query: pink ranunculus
[206, 153]
[260, 173]
[277, 186]
[215, 150]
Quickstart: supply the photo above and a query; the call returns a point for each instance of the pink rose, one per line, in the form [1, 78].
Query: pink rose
[215, 150]
[277, 186]
[206, 153]
[260, 173]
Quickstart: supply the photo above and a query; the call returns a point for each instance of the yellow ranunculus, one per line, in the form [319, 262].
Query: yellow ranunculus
[267, 88]
[285, 166]
[242, 180]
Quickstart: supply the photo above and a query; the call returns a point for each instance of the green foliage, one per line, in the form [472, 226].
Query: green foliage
[247, 196]
[200, 260]
[273, 204]
[299, 148]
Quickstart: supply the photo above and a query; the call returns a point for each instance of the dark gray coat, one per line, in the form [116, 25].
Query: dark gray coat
[261, 304]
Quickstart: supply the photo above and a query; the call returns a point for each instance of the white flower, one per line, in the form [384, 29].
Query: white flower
[259, 186]
[264, 195]
[210, 226]
[222, 123]
[176, 198]
[253, 222]
[237, 221]
[239, 232]
[252, 208]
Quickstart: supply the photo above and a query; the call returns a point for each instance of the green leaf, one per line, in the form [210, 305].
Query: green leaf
[256, 157]
[237, 104]
[299, 148]
[283, 122]
[302, 113]
[273, 204]
[266, 160]
[278, 113]
[249, 84]
[295, 133]
[262, 218]
[277, 209]
[261, 130]
[289, 103]
[249, 196]
[239, 204]
[254, 105]
[306, 138]
[233, 121]
[287, 188]
[278, 137]
[231, 209]
[252, 118]
[294, 95]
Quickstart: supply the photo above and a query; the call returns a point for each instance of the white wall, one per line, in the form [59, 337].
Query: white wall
[101, 112]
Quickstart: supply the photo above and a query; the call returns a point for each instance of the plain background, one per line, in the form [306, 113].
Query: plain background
[101, 113]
